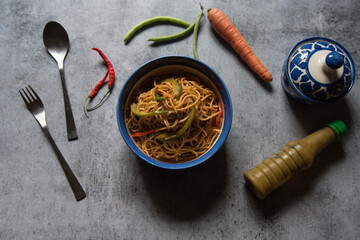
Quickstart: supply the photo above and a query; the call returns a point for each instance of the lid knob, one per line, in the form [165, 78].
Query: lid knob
[334, 60]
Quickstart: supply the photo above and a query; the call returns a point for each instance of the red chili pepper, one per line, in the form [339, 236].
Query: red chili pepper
[98, 86]
[218, 117]
[111, 73]
[109, 66]
[140, 134]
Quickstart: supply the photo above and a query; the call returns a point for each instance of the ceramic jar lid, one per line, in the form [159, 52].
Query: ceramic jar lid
[321, 69]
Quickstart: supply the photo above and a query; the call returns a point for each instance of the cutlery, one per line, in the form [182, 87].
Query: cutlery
[36, 107]
[56, 41]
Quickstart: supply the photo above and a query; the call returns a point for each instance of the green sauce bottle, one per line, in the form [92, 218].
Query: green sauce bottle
[294, 157]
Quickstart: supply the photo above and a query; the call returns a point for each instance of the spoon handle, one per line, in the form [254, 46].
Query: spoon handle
[70, 123]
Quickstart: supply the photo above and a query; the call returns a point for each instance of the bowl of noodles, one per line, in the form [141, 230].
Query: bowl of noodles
[174, 112]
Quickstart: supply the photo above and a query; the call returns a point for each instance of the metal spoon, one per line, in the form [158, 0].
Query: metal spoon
[56, 41]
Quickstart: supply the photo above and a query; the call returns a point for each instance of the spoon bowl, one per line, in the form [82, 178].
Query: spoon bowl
[56, 41]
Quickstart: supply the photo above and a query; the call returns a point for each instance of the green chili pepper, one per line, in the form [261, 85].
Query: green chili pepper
[196, 30]
[157, 19]
[145, 114]
[168, 136]
[173, 36]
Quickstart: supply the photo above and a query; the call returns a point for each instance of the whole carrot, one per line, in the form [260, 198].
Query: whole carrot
[224, 27]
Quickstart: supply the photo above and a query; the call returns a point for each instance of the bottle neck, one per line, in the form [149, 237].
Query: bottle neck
[319, 140]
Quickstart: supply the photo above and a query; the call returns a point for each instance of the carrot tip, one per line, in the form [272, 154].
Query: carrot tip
[268, 77]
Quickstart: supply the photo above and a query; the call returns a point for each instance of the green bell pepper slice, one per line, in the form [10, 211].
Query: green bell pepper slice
[145, 114]
[168, 136]
[176, 86]
[159, 98]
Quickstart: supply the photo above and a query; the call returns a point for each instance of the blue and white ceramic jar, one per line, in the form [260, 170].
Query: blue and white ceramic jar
[318, 70]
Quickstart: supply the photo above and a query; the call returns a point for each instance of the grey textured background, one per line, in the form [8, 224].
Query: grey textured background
[129, 199]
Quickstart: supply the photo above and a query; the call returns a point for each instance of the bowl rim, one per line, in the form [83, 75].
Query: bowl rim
[174, 60]
[310, 39]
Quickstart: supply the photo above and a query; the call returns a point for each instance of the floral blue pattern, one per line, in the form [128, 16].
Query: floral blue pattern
[298, 82]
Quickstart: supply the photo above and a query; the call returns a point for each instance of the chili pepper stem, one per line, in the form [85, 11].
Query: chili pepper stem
[102, 100]
[85, 107]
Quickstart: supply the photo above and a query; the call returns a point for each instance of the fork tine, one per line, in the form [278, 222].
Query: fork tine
[31, 95]
[34, 93]
[23, 97]
[26, 95]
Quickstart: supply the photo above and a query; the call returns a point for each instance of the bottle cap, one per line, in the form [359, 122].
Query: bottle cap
[339, 127]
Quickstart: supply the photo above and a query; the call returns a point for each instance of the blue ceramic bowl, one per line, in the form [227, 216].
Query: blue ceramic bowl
[170, 64]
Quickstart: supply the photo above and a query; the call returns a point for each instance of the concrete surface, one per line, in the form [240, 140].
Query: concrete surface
[129, 199]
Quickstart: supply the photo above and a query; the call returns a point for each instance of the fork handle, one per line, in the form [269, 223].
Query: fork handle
[74, 183]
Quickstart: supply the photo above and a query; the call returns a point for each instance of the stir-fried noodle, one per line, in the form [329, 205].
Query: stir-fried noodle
[174, 121]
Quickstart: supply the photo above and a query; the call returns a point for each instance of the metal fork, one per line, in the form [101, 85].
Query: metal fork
[36, 107]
